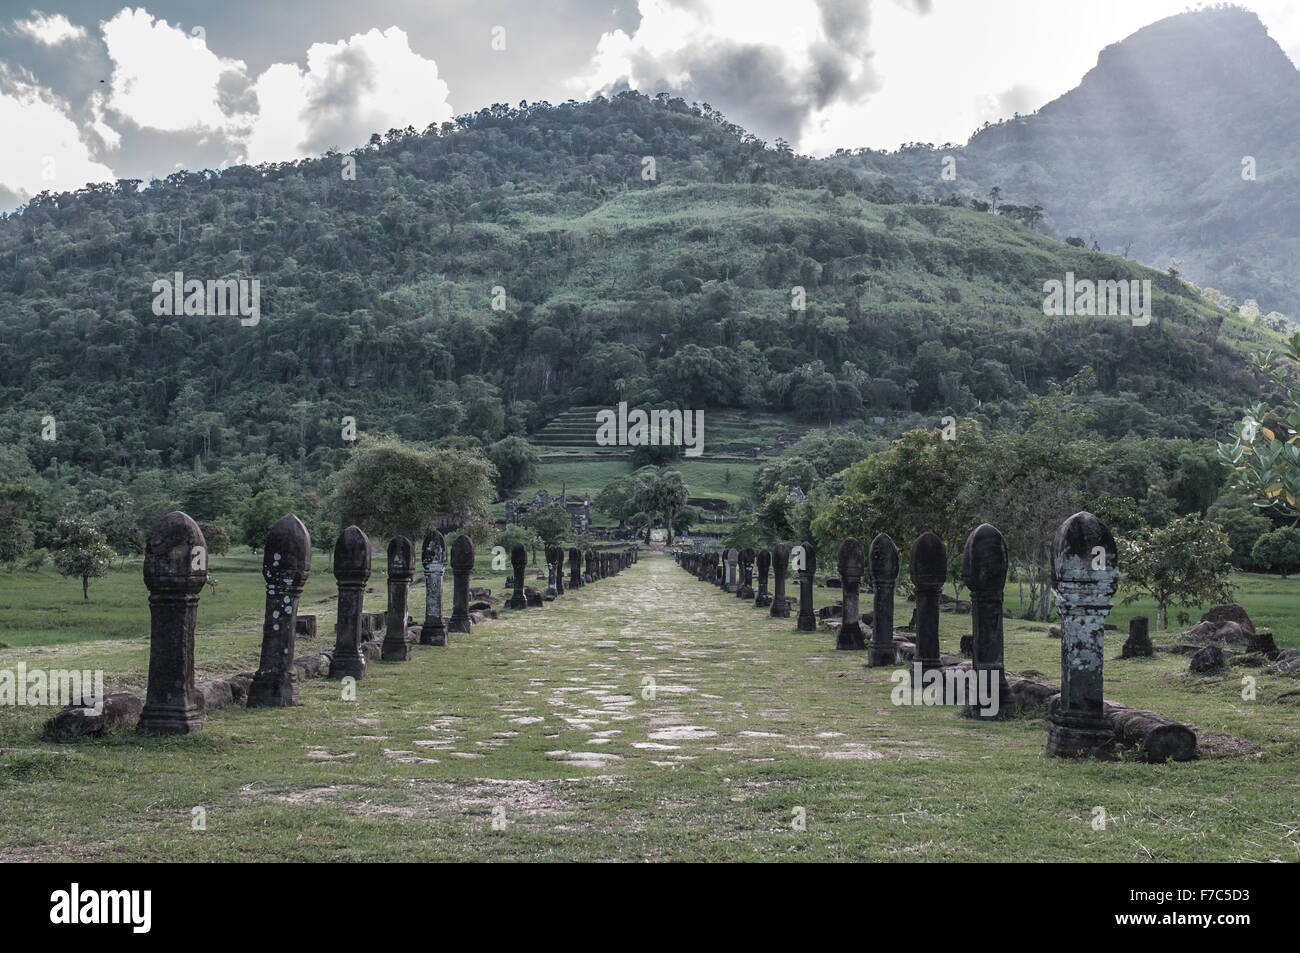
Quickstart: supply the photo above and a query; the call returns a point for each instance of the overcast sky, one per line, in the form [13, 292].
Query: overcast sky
[95, 91]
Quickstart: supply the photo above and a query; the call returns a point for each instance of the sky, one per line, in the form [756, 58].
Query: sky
[93, 91]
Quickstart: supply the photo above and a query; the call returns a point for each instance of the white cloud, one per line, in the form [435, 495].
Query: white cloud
[49, 153]
[370, 82]
[166, 79]
[51, 29]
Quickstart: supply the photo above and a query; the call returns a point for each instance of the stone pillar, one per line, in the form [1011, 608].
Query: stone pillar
[433, 557]
[401, 570]
[929, 569]
[731, 580]
[764, 598]
[286, 563]
[851, 564]
[746, 588]
[1085, 575]
[462, 564]
[351, 572]
[984, 570]
[575, 568]
[550, 572]
[1139, 639]
[591, 566]
[175, 569]
[882, 563]
[807, 621]
[558, 563]
[780, 563]
[518, 560]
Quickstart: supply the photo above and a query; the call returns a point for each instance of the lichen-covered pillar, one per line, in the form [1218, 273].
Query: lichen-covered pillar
[1085, 576]
[433, 557]
[780, 563]
[558, 562]
[591, 565]
[731, 579]
[351, 572]
[575, 568]
[550, 572]
[286, 563]
[851, 563]
[929, 569]
[175, 569]
[518, 560]
[984, 570]
[807, 621]
[764, 598]
[401, 570]
[462, 564]
[882, 563]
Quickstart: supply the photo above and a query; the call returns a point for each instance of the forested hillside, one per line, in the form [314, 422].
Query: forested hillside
[378, 293]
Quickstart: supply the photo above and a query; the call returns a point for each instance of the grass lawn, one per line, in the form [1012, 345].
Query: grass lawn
[649, 716]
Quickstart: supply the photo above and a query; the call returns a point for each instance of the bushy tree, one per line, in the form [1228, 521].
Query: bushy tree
[1184, 563]
[516, 462]
[551, 523]
[82, 552]
[1278, 551]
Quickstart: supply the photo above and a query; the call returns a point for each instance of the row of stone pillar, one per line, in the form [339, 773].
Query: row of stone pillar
[1084, 580]
[600, 565]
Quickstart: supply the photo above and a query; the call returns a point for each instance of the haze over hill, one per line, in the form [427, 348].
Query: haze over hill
[1146, 156]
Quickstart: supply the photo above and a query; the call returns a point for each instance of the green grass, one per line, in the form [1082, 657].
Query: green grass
[541, 718]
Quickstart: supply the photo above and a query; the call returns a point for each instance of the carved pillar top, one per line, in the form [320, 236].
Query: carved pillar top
[809, 558]
[287, 559]
[883, 560]
[433, 553]
[984, 560]
[462, 554]
[850, 561]
[352, 557]
[175, 556]
[928, 566]
[1085, 569]
[401, 559]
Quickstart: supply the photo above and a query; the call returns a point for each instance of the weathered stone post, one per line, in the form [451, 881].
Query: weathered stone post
[851, 564]
[1085, 575]
[882, 562]
[731, 578]
[807, 621]
[518, 560]
[462, 564]
[575, 568]
[929, 569]
[1138, 643]
[175, 569]
[558, 563]
[591, 566]
[764, 598]
[433, 556]
[550, 572]
[780, 563]
[401, 570]
[746, 588]
[984, 570]
[351, 572]
[286, 563]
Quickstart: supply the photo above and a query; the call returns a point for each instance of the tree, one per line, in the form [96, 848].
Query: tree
[618, 500]
[254, 517]
[1264, 460]
[516, 462]
[218, 538]
[119, 524]
[551, 523]
[83, 553]
[507, 538]
[1184, 563]
[388, 487]
[1278, 550]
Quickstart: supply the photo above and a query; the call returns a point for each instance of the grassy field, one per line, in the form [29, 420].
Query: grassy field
[649, 716]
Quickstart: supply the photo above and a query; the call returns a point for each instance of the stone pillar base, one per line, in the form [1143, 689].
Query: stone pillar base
[1070, 741]
[347, 665]
[273, 690]
[882, 656]
[169, 720]
[396, 650]
[434, 632]
[762, 600]
[780, 610]
[849, 638]
[806, 623]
